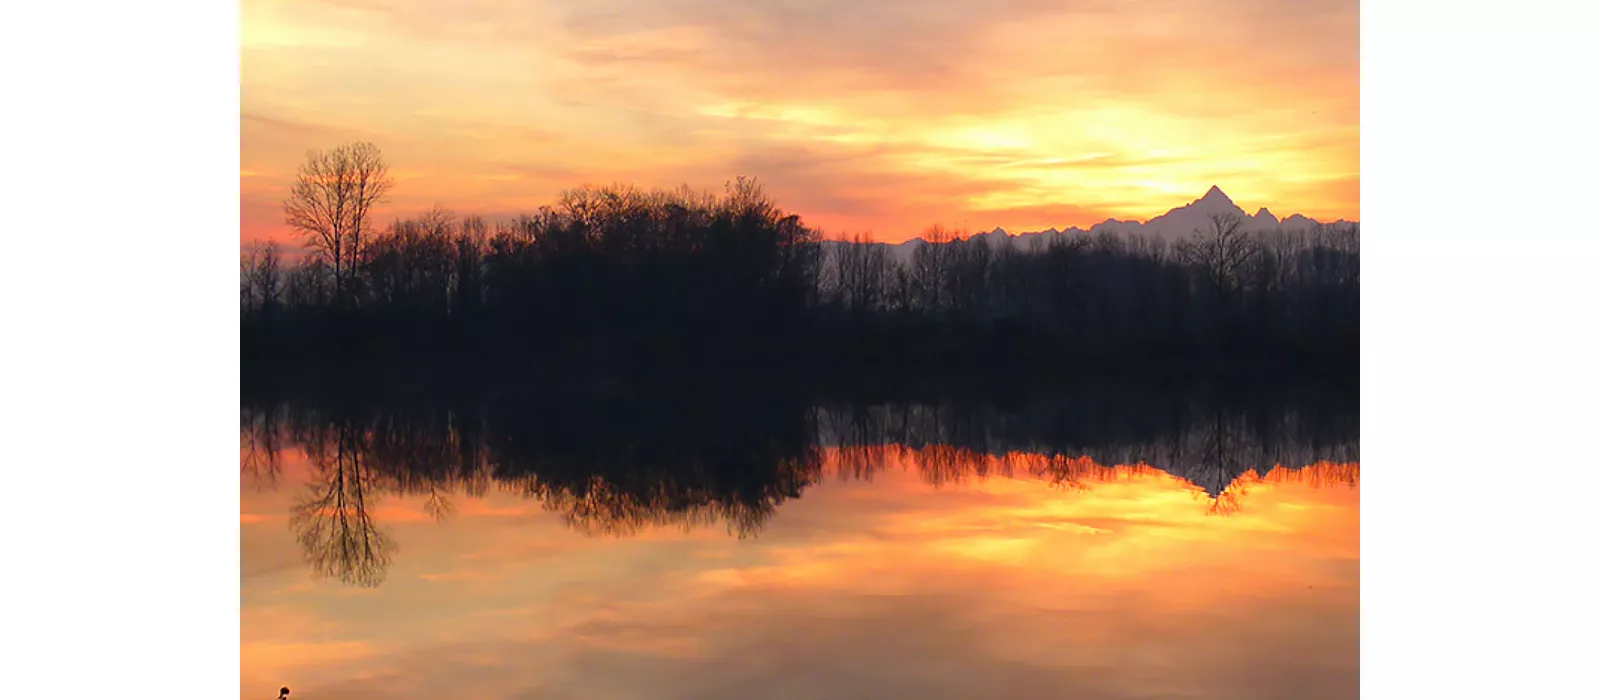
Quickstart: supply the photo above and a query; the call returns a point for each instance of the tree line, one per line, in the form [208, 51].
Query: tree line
[617, 274]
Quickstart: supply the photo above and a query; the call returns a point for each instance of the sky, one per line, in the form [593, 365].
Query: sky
[864, 117]
[1127, 587]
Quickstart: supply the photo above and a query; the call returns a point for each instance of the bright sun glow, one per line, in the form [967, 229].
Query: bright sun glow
[1025, 116]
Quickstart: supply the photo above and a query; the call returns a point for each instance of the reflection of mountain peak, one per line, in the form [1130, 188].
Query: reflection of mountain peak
[613, 465]
[941, 463]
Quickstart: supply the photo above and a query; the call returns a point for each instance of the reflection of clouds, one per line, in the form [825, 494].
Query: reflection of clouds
[960, 640]
[286, 637]
[887, 589]
[265, 569]
[979, 550]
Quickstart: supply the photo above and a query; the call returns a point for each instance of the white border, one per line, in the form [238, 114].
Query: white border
[1478, 354]
[121, 169]
[120, 531]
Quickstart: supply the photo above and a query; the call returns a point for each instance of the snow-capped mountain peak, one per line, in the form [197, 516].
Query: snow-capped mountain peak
[1216, 198]
[1176, 225]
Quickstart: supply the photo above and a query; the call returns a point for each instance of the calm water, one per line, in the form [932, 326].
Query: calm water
[1056, 551]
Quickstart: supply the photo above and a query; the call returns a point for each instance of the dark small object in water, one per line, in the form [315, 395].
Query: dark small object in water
[283, 693]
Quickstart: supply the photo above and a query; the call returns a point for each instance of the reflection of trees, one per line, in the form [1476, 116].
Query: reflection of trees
[1210, 444]
[1212, 456]
[332, 521]
[616, 465]
[261, 440]
[619, 464]
[602, 508]
[944, 464]
[607, 465]
[1227, 502]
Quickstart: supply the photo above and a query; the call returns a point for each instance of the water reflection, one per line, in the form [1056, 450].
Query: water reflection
[1087, 548]
[332, 522]
[623, 467]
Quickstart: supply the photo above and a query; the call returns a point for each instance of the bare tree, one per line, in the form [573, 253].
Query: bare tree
[260, 277]
[902, 297]
[861, 274]
[1220, 251]
[308, 284]
[471, 243]
[247, 289]
[930, 264]
[330, 203]
[267, 276]
[967, 270]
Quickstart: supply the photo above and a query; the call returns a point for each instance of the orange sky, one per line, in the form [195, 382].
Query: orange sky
[878, 116]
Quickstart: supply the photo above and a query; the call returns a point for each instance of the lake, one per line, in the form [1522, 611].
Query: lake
[1112, 545]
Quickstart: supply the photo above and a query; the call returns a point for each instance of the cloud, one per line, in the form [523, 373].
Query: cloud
[885, 115]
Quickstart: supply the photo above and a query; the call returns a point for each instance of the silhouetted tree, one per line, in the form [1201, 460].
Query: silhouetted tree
[967, 278]
[331, 200]
[1220, 251]
[262, 277]
[620, 277]
[859, 276]
[930, 271]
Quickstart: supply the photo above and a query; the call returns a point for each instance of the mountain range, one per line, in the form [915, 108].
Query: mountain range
[1175, 225]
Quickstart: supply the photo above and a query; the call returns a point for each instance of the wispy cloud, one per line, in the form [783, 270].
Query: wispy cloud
[882, 115]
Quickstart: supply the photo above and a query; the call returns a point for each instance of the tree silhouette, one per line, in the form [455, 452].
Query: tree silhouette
[621, 279]
[859, 276]
[331, 200]
[930, 270]
[1220, 251]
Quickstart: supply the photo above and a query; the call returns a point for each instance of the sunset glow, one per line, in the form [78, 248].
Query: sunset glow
[881, 117]
[1014, 575]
